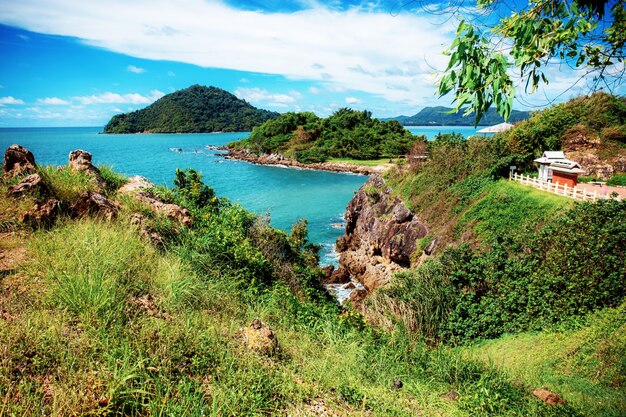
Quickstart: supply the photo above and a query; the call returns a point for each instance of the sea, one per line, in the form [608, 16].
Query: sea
[282, 194]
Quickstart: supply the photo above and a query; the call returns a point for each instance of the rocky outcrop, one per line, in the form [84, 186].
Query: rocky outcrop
[140, 188]
[17, 160]
[29, 185]
[80, 160]
[590, 152]
[42, 213]
[278, 159]
[380, 238]
[146, 231]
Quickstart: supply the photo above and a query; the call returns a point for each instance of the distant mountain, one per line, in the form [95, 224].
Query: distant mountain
[196, 109]
[436, 116]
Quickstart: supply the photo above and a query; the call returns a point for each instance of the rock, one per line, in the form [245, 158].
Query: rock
[380, 237]
[357, 295]
[95, 204]
[17, 160]
[103, 401]
[349, 286]
[452, 396]
[260, 338]
[31, 184]
[430, 248]
[397, 384]
[548, 397]
[136, 184]
[80, 160]
[140, 188]
[145, 231]
[328, 272]
[45, 213]
[338, 276]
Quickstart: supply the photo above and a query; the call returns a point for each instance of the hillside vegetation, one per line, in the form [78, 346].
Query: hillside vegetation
[196, 109]
[96, 320]
[441, 116]
[345, 134]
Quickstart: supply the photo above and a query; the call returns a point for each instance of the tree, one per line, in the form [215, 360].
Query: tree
[588, 35]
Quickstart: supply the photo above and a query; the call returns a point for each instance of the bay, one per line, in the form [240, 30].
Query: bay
[431, 131]
[284, 194]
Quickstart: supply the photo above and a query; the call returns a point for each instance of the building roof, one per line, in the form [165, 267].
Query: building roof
[567, 166]
[551, 156]
[502, 127]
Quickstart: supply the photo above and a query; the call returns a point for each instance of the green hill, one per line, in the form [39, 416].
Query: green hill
[346, 133]
[439, 116]
[196, 109]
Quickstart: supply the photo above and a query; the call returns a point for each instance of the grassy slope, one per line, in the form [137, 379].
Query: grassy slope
[97, 322]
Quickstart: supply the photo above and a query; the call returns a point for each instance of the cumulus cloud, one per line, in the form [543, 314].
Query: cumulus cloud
[257, 95]
[357, 49]
[353, 100]
[52, 101]
[135, 70]
[109, 98]
[314, 90]
[10, 100]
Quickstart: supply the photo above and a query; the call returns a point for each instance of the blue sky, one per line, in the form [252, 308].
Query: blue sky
[69, 63]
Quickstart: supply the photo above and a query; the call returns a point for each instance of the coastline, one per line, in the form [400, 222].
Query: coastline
[279, 160]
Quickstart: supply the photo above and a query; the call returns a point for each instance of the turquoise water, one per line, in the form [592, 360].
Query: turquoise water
[285, 194]
[432, 131]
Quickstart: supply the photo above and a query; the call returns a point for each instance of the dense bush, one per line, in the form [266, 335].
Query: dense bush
[524, 279]
[345, 134]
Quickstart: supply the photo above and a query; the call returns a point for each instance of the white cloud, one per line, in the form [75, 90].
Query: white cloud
[52, 101]
[257, 95]
[131, 98]
[135, 70]
[357, 49]
[10, 100]
[244, 80]
[353, 100]
[171, 74]
[314, 90]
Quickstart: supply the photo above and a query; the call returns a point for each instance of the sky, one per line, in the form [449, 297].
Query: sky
[78, 63]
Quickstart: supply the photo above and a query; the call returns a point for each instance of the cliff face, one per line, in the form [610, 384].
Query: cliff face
[381, 235]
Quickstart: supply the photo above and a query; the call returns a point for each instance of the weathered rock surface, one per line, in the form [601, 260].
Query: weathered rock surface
[42, 213]
[548, 397]
[31, 184]
[145, 231]
[260, 338]
[80, 160]
[140, 188]
[380, 238]
[95, 204]
[17, 160]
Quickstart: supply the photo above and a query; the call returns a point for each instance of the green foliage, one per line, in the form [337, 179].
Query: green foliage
[617, 179]
[583, 34]
[345, 134]
[112, 179]
[196, 109]
[551, 128]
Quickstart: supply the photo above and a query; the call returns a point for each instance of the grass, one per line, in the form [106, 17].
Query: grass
[101, 323]
[586, 366]
[367, 163]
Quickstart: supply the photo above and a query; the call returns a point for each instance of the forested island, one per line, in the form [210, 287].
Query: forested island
[445, 116]
[197, 109]
[346, 133]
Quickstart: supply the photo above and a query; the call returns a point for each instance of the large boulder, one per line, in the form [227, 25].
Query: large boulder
[381, 236]
[29, 185]
[17, 160]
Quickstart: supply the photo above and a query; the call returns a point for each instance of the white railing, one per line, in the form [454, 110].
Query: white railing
[559, 189]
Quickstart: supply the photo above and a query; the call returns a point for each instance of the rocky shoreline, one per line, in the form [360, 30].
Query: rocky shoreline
[277, 159]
